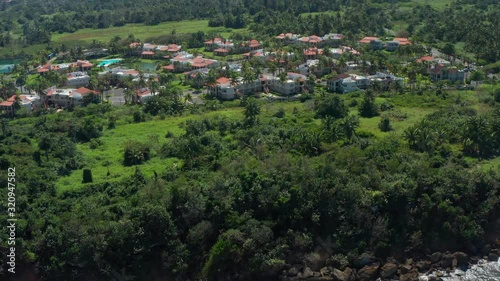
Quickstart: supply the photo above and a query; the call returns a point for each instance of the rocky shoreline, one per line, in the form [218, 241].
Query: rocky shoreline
[366, 267]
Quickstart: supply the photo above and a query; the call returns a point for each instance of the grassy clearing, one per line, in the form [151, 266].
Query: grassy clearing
[436, 4]
[492, 164]
[17, 49]
[140, 31]
[110, 153]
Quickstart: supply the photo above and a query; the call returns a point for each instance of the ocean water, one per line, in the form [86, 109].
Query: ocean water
[483, 271]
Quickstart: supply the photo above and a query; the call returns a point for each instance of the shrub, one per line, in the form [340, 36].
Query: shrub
[368, 108]
[386, 106]
[280, 113]
[135, 153]
[385, 124]
[87, 176]
[169, 134]
[139, 116]
[95, 143]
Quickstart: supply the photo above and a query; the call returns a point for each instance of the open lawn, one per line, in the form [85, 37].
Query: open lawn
[436, 4]
[140, 31]
[109, 156]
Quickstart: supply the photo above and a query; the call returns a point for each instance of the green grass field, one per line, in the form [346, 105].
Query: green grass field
[140, 31]
[110, 153]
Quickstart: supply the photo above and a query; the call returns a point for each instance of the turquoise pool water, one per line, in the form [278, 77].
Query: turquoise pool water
[108, 62]
[6, 66]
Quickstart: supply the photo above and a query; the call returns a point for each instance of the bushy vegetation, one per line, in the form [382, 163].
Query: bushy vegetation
[252, 191]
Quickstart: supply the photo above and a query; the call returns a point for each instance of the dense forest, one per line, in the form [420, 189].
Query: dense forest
[474, 23]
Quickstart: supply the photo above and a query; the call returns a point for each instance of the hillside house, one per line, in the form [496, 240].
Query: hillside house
[312, 53]
[29, 102]
[385, 80]
[76, 79]
[374, 42]
[218, 43]
[223, 89]
[332, 40]
[186, 62]
[67, 97]
[312, 40]
[143, 94]
[440, 72]
[288, 38]
[346, 83]
[337, 52]
[259, 54]
[80, 65]
[293, 84]
[249, 46]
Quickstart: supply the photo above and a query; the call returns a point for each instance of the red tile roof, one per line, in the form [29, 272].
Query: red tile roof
[339, 77]
[425, 58]
[311, 39]
[132, 72]
[402, 41]
[83, 91]
[221, 50]
[223, 80]
[313, 51]
[6, 103]
[148, 53]
[173, 48]
[368, 39]
[49, 93]
[134, 44]
[217, 39]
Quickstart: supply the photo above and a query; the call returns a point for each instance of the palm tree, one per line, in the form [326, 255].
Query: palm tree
[128, 95]
[211, 79]
[188, 98]
[349, 125]
[273, 68]
[252, 109]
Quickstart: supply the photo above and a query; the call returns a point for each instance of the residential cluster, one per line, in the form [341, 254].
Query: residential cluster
[319, 55]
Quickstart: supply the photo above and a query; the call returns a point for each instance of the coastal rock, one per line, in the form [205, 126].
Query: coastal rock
[436, 257]
[368, 272]
[349, 274]
[307, 273]
[492, 257]
[324, 271]
[388, 270]
[339, 275]
[410, 276]
[474, 260]
[423, 266]
[364, 259]
[462, 258]
[447, 260]
[404, 268]
[293, 271]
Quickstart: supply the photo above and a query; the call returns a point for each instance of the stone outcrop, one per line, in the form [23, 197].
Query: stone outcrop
[388, 270]
[368, 272]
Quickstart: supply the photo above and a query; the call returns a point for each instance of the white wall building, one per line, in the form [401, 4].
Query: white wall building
[77, 79]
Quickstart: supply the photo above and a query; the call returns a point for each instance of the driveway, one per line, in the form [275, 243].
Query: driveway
[115, 96]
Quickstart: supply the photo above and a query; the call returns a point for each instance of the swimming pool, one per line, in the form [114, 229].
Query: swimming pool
[108, 62]
[6, 66]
